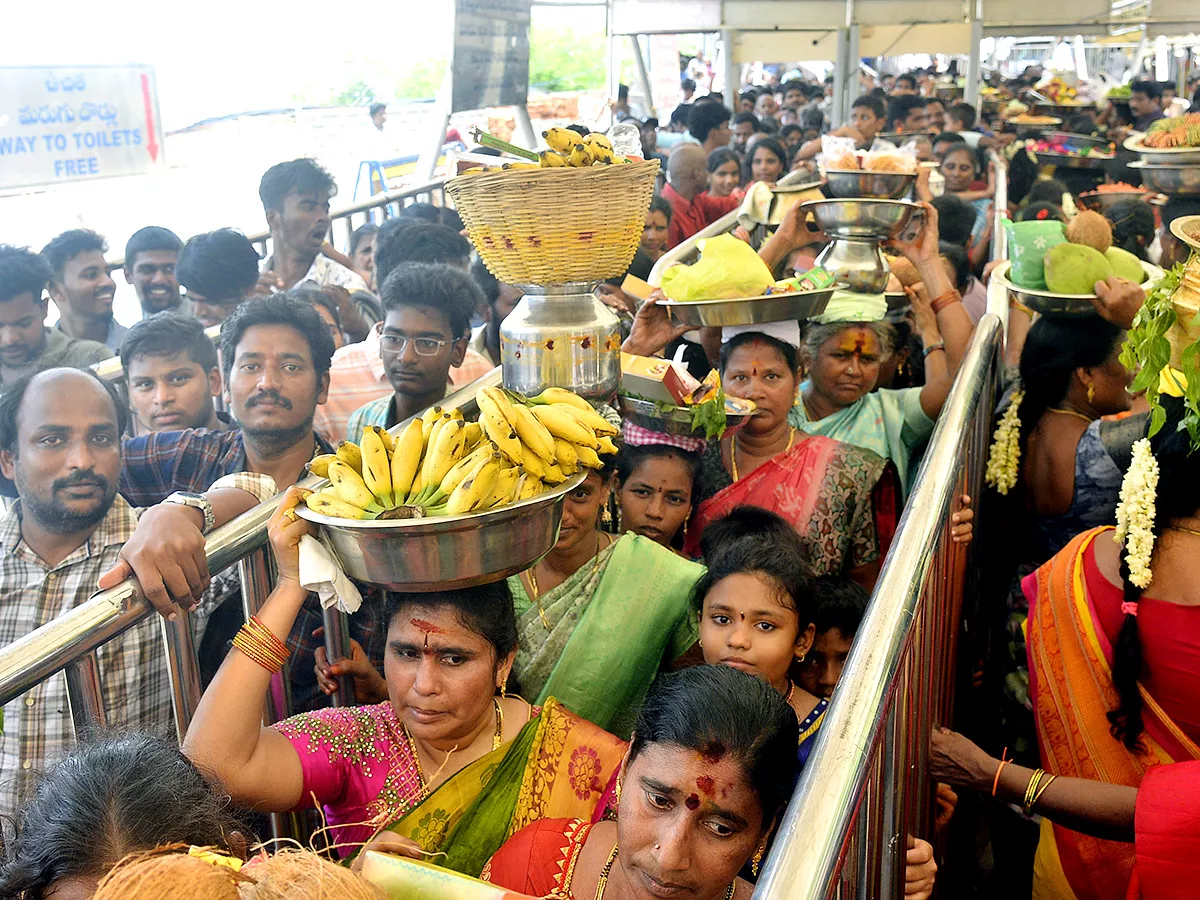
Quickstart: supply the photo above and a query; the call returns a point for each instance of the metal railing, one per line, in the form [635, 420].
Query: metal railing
[864, 788]
[349, 217]
[68, 641]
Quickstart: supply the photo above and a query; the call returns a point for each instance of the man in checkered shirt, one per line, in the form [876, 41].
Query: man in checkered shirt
[70, 533]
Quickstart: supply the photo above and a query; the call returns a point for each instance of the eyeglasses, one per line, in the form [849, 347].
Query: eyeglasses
[397, 343]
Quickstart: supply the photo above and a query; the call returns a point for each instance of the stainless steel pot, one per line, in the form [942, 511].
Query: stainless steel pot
[858, 263]
[561, 336]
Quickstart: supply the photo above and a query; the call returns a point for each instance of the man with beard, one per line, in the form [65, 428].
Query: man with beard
[150, 258]
[295, 197]
[427, 321]
[82, 289]
[25, 341]
[69, 532]
[275, 354]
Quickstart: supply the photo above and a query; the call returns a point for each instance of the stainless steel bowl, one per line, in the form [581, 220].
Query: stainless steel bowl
[1070, 160]
[858, 263]
[446, 552]
[1180, 180]
[877, 185]
[1049, 303]
[900, 138]
[1164, 156]
[750, 310]
[875, 219]
[1100, 201]
[676, 420]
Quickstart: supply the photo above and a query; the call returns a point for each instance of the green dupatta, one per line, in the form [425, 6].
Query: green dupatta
[558, 766]
[611, 627]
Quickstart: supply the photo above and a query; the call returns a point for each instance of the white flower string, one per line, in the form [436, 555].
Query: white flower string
[1135, 513]
[1004, 457]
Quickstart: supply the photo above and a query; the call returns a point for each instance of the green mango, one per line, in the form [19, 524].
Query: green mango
[1125, 265]
[1075, 268]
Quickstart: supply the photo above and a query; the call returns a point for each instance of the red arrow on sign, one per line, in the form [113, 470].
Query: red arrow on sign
[152, 144]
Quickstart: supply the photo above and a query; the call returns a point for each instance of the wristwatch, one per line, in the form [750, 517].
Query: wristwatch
[196, 501]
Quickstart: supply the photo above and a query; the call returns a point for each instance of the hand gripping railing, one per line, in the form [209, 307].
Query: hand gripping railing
[865, 787]
[68, 641]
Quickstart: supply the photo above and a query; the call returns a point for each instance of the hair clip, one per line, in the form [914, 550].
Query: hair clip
[1129, 609]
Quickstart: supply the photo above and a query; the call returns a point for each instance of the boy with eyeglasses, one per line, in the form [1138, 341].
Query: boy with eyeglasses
[427, 321]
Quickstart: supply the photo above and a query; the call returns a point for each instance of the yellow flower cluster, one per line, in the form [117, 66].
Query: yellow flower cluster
[1135, 513]
[1004, 457]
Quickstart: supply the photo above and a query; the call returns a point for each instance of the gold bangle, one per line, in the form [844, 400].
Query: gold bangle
[281, 649]
[1014, 303]
[255, 641]
[1041, 790]
[1031, 789]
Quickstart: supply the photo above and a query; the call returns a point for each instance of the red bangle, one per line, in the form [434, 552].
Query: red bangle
[1004, 761]
[940, 303]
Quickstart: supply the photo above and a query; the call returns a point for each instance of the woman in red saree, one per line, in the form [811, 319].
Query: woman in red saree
[842, 499]
[1114, 670]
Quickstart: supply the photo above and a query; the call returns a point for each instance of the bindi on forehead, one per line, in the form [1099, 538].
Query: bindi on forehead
[857, 340]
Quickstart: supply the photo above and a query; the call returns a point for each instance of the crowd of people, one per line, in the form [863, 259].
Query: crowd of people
[631, 713]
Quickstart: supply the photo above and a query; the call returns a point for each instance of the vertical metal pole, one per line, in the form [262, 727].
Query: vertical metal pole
[183, 670]
[337, 646]
[971, 91]
[643, 74]
[84, 694]
[427, 162]
[733, 69]
[525, 128]
[841, 73]
[852, 86]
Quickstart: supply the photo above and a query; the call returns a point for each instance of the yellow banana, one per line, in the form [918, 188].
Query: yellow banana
[607, 446]
[552, 159]
[389, 442]
[554, 475]
[432, 435]
[581, 156]
[319, 465]
[475, 488]
[502, 490]
[330, 505]
[498, 428]
[530, 486]
[532, 462]
[461, 470]
[562, 424]
[566, 456]
[601, 154]
[561, 139]
[377, 468]
[430, 417]
[503, 404]
[348, 485]
[472, 436]
[349, 453]
[533, 434]
[588, 457]
[598, 139]
[447, 453]
[454, 412]
[406, 458]
[560, 395]
[520, 165]
[590, 418]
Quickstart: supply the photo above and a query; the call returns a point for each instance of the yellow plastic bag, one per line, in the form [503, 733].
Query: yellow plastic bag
[401, 878]
[728, 269]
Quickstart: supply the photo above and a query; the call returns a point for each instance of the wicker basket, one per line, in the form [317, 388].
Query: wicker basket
[553, 226]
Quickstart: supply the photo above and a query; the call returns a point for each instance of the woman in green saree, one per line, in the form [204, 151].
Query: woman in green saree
[600, 615]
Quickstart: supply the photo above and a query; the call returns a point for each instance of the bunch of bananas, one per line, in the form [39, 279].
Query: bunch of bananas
[443, 465]
[569, 149]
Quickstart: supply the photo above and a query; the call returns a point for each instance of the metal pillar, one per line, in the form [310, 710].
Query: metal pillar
[84, 694]
[428, 160]
[733, 70]
[337, 646]
[852, 84]
[971, 91]
[525, 128]
[183, 670]
[254, 571]
[643, 74]
[841, 74]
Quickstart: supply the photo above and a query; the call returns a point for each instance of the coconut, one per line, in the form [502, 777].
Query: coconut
[301, 875]
[166, 876]
[1091, 229]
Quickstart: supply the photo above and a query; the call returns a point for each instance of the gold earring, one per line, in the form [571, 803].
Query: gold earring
[756, 860]
[617, 791]
[801, 659]
[1091, 392]
[504, 687]
[606, 515]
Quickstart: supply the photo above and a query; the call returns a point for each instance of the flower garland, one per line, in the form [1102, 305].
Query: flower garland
[1004, 456]
[1135, 513]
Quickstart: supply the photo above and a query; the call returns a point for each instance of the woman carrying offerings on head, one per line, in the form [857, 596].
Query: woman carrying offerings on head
[445, 762]
[600, 614]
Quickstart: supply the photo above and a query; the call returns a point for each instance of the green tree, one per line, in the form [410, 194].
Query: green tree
[422, 80]
[566, 59]
[357, 94]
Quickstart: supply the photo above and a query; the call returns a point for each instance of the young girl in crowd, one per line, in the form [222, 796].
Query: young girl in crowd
[724, 172]
[658, 223]
[767, 162]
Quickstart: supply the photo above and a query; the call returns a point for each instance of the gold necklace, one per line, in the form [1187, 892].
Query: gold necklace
[497, 740]
[612, 858]
[1071, 412]
[1190, 531]
[536, 594]
[791, 690]
[733, 451]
